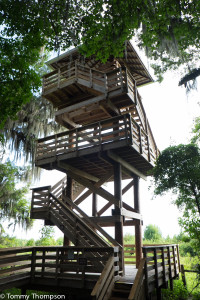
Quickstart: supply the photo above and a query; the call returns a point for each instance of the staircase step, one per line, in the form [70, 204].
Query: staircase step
[117, 298]
[123, 286]
[123, 291]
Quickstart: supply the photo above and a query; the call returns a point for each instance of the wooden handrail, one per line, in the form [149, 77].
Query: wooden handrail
[161, 265]
[105, 278]
[41, 262]
[135, 289]
[91, 223]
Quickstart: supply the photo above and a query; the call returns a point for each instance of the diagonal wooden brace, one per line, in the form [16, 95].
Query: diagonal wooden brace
[98, 190]
[97, 184]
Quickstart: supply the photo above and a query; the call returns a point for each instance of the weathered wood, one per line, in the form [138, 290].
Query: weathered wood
[100, 191]
[102, 279]
[131, 214]
[92, 224]
[79, 105]
[116, 158]
[135, 289]
[97, 184]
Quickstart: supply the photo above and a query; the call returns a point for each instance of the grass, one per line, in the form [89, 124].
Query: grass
[189, 263]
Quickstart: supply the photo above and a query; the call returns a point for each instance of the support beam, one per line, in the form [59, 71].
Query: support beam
[85, 182]
[138, 227]
[117, 210]
[130, 214]
[136, 194]
[79, 172]
[128, 207]
[127, 187]
[125, 164]
[113, 107]
[94, 205]
[79, 105]
[69, 193]
[97, 184]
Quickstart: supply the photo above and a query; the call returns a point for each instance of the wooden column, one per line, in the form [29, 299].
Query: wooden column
[69, 193]
[118, 195]
[94, 204]
[138, 227]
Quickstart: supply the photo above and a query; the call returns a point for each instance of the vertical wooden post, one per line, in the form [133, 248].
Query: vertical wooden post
[69, 193]
[138, 227]
[94, 204]
[117, 210]
[170, 267]
[33, 262]
[146, 282]
[183, 275]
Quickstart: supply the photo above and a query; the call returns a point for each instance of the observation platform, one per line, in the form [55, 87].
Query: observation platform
[92, 148]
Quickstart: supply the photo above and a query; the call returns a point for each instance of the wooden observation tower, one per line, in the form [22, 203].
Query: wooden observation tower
[107, 139]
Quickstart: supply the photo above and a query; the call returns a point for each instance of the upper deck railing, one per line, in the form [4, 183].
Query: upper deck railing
[98, 136]
[75, 72]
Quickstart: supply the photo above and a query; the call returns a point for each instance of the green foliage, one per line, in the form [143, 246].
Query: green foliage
[192, 279]
[9, 242]
[186, 249]
[47, 232]
[152, 233]
[47, 237]
[178, 169]
[129, 239]
[13, 203]
[19, 79]
[169, 31]
[179, 292]
[34, 120]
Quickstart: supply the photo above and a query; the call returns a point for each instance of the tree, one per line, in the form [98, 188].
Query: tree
[34, 120]
[47, 236]
[152, 233]
[19, 79]
[13, 203]
[178, 169]
[168, 30]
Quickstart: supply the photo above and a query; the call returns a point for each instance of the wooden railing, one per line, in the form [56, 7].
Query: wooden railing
[129, 254]
[162, 264]
[79, 227]
[41, 195]
[75, 72]
[105, 283]
[137, 291]
[93, 135]
[37, 264]
[99, 135]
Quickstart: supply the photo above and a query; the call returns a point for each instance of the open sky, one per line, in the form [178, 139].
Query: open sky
[170, 113]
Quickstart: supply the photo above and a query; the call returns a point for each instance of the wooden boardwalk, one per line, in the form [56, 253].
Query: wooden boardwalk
[94, 270]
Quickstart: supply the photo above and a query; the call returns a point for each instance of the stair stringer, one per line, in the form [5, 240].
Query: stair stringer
[74, 222]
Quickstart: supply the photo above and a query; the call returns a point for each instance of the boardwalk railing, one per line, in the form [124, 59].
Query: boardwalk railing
[129, 254]
[105, 283]
[99, 136]
[162, 264]
[75, 266]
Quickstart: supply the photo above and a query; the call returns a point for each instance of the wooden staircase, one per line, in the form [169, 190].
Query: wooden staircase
[120, 291]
